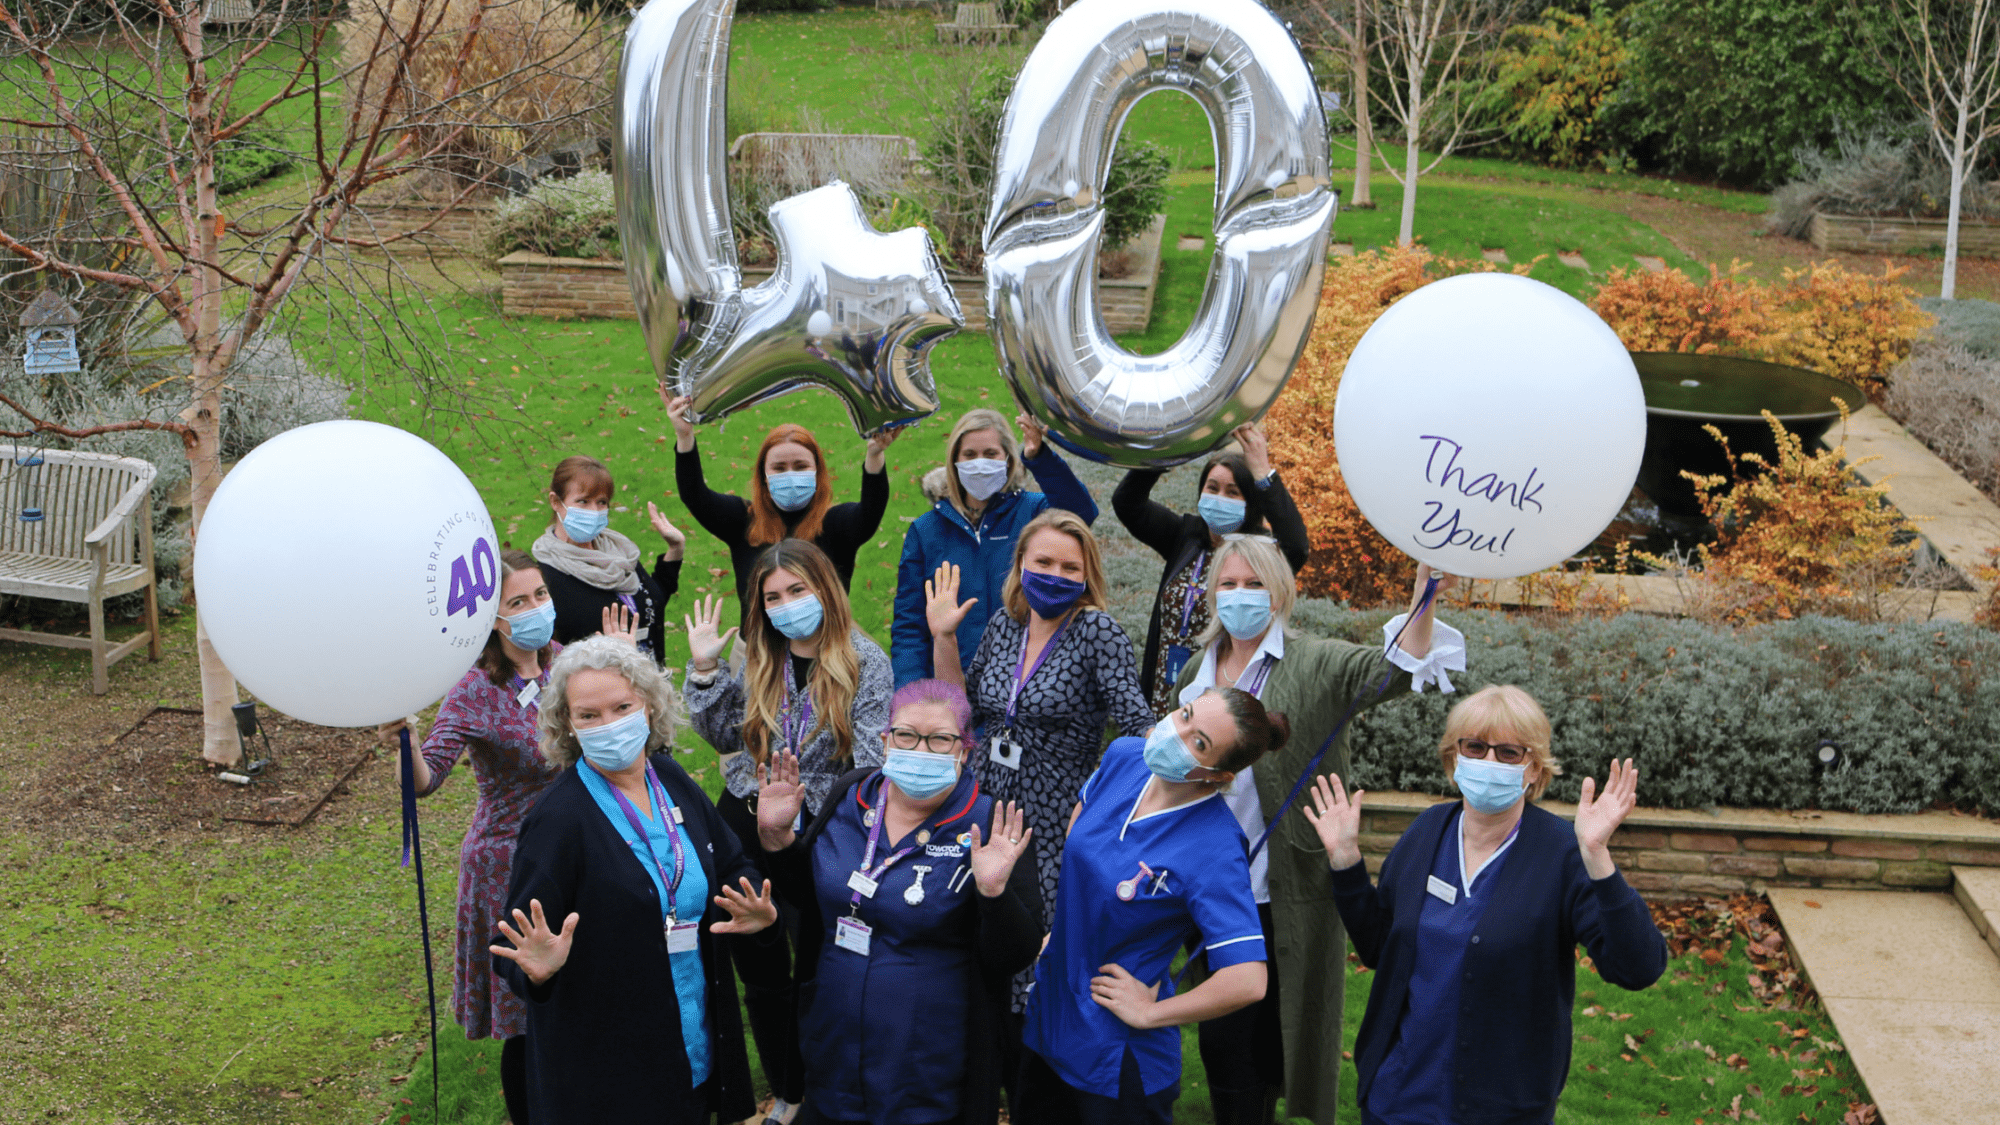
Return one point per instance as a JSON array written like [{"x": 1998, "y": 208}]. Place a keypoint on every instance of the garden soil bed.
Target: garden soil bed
[{"x": 152, "y": 780}]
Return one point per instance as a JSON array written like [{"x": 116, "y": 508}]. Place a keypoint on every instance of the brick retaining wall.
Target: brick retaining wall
[
  {"x": 1682, "y": 853},
  {"x": 462, "y": 230},
  {"x": 1897, "y": 234}
]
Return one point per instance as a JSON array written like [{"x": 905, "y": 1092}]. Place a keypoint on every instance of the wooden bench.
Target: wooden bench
[
  {"x": 975, "y": 23},
  {"x": 94, "y": 541}
]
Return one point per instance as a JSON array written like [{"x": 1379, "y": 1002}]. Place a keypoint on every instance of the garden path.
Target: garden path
[
  {"x": 1914, "y": 992},
  {"x": 1956, "y": 519}
]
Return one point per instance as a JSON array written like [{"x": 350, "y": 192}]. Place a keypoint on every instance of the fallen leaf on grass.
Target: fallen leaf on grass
[
  {"x": 1860, "y": 1113},
  {"x": 1735, "y": 1110},
  {"x": 1736, "y": 1062}
]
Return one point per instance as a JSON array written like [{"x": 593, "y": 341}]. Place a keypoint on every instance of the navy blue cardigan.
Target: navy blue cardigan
[
  {"x": 1520, "y": 970},
  {"x": 604, "y": 1033}
]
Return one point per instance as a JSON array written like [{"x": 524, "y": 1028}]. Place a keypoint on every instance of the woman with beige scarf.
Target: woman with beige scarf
[{"x": 593, "y": 573}]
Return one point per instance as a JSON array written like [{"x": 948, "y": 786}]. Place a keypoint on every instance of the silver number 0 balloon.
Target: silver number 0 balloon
[
  {"x": 1274, "y": 208},
  {"x": 848, "y": 308}
]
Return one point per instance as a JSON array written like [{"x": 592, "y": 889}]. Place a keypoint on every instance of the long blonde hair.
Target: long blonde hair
[{"x": 836, "y": 674}]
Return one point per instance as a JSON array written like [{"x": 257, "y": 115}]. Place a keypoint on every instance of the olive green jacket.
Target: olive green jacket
[{"x": 1312, "y": 685}]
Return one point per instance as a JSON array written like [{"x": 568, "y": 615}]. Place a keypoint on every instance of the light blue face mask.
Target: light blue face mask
[
  {"x": 792, "y": 491},
  {"x": 1166, "y": 754},
  {"x": 1244, "y": 613},
  {"x": 1220, "y": 513},
  {"x": 614, "y": 746},
  {"x": 1490, "y": 787},
  {"x": 920, "y": 774},
  {"x": 585, "y": 524},
  {"x": 799, "y": 619},
  {"x": 532, "y": 628}
]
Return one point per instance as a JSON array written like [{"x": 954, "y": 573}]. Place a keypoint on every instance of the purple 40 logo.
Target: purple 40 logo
[{"x": 471, "y": 581}]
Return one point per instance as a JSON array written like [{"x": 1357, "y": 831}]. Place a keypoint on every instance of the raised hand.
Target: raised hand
[
  {"x": 704, "y": 643},
  {"x": 1031, "y": 433},
  {"x": 1337, "y": 819},
  {"x": 675, "y": 537},
  {"x": 992, "y": 863},
  {"x": 677, "y": 413},
  {"x": 878, "y": 449},
  {"x": 749, "y": 911},
  {"x": 620, "y": 623},
  {"x": 942, "y": 609},
  {"x": 779, "y": 799},
  {"x": 1599, "y": 815},
  {"x": 1256, "y": 450},
  {"x": 1446, "y": 582},
  {"x": 540, "y": 951},
  {"x": 1121, "y": 992}
]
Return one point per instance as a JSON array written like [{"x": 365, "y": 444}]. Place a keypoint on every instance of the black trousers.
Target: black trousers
[
  {"x": 514, "y": 1078},
  {"x": 770, "y": 989},
  {"x": 808, "y": 1116},
  {"x": 1244, "y": 1052},
  {"x": 1048, "y": 1100}
]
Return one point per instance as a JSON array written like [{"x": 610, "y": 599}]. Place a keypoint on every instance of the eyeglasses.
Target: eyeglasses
[
  {"x": 903, "y": 738},
  {"x": 1506, "y": 753}
]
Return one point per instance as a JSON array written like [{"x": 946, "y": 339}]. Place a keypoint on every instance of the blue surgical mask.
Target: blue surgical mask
[
  {"x": 799, "y": 619},
  {"x": 533, "y": 628},
  {"x": 1166, "y": 754},
  {"x": 1220, "y": 513},
  {"x": 614, "y": 746},
  {"x": 792, "y": 491},
  {"x": 1050, "y": 595},
  {"x": 1244, "y": 613},
  {"x": 920, "y": 774},
  {"x": 1490, "y": 787},
  {"x": 982, "y": 477},
  {"x": 585, "y": 524}
]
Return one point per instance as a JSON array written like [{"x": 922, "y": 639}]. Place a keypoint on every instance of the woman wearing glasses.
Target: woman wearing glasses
[
  {"x": 1290, "y": 1040},
  {"x": 915, "y": 913},
  {"x": 1240, "y": 492},
  {"x": 1473, "y": 927}
]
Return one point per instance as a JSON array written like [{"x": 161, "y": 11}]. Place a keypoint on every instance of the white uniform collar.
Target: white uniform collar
[{"x": 1204, "y": 677}]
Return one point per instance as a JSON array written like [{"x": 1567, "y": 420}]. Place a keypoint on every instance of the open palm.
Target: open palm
[
  {"x": 705, "y": 644},
  {"x": 942, "y": 609},
  {"x": 1598, "y": 815},
  {"x": 540, "y": 951},
  {"x": 993, "y": 861}
]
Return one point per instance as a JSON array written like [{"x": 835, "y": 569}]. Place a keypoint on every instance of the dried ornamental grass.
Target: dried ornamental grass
[{"x": 1950, "y": 400}]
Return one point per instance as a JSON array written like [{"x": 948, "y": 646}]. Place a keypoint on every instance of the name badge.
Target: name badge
[
  {"x": 852, "y": 934},
  {"x": 859, "y": 881},
  {"x": 528, "y": 694},
  {"x": 1006, "y": 752},
  {"x": 677, "y": 815},
  {"x": 682, "y": 936},
  {"x": 1442, "y": 890}
]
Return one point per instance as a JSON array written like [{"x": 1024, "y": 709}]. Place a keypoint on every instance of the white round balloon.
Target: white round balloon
[
  {"x": 347, "y": 573},
  {"x": 1490, "y": 425}
]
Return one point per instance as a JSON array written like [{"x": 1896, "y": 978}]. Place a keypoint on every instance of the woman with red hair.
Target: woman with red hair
[{"x": 791, "y": 497}]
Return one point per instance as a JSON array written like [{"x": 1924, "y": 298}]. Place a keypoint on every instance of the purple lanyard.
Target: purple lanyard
[
  {"x": 1194, "y": 592},
  {"x": 874, "y": 873},
  {"x": 1257, "y": 676},
  {"x": 664, "y": 807},
  {"x": 1020, "y": 679},
  {"x": 787, "y": 730}
]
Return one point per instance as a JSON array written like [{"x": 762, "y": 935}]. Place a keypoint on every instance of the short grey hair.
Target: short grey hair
[{"x": 664, "y": 710}]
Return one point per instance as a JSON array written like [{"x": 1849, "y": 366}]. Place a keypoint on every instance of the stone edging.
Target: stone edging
[
  {"x": 1680, "y": 853},
  {"x": 1900, "y": 234}
]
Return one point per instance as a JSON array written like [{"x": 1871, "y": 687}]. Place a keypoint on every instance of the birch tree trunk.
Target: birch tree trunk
[
  {"x": 1364, "y": 127},
  {"x": 1949, "y": 288},
  {"x": 1407, "y": 232}
]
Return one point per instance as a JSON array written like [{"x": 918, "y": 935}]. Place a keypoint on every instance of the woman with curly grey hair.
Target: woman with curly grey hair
[{"x": 632, "y": 1012}]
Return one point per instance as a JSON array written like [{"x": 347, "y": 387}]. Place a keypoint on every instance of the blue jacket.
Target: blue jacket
[
  {"x": 984, "y": 556},
  {"x": 1520, "y": 966}
]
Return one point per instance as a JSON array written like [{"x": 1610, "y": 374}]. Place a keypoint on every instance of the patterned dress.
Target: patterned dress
[
  {"x": 1089, "y": 676},
  {"x": 1181, "y": 594},
  {"x": 491, "y": 724}
]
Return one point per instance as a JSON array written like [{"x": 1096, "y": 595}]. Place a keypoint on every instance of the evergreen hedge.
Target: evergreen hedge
[{"x": 1717, "y": 716}]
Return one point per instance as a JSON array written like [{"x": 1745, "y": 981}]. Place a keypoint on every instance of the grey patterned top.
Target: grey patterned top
[{"x": 716, "y": 708}]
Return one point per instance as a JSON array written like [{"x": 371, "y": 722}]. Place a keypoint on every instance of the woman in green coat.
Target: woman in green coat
[{"x": 1289, "y": 1042}]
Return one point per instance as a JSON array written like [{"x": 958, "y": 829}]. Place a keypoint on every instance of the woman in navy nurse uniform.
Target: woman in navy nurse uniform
[
  {"x": 1473, "y": 928},
  {"x": 1154, "y": 857},
  {"x": 910, "y": 889}
]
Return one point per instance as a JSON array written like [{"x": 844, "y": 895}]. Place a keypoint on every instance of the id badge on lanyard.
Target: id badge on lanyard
[
  {"x": 1004, "y": 749},
  {"x": 851, "y": 933},
  {"x": 682, "y": 937},
  {"x": 1177, "y": 655}
]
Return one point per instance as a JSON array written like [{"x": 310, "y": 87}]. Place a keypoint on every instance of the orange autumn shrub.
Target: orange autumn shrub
[
  {"x": 1669, "y": 312},
  {"x": 1989, "y": 614}
]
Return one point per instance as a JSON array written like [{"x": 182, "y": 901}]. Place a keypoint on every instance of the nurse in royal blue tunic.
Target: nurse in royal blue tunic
[{"x": 1154, "y": 859}]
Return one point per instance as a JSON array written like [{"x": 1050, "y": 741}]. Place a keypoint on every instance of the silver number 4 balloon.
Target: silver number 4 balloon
[
  {"x": 848, "y": 308},
  {"x": 1274, "y": 208}
]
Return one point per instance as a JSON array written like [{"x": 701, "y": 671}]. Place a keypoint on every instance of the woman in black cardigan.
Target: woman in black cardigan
[
  {"x": 596, "y": 576},
  {"x": 1239, "y": 493},
  {"x": 632, "y": 1013},
  {"x": 1473, "y": 927}
]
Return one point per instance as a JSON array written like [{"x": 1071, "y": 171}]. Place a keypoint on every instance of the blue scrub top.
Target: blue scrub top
[
  {"x": 1415, "y": 1084},
  {"x": 690, "y": 903},
  {"x": 1199, "y": 888},
  {"x": 884, "y": 1036}
]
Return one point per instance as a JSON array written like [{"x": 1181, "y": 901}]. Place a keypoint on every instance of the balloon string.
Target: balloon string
[{"x": 414, "y": 847}]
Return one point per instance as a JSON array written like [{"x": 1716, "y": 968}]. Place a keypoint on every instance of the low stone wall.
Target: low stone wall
[
  {"x": 460, "y": 230},
  {"x": 1888, "y": 234},
  {"x": 534, "y": 285},
  {"x": 1684, "y": 853}
]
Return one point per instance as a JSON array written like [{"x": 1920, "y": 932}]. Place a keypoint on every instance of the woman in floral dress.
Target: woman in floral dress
[{"x": 491, "y": 715}]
